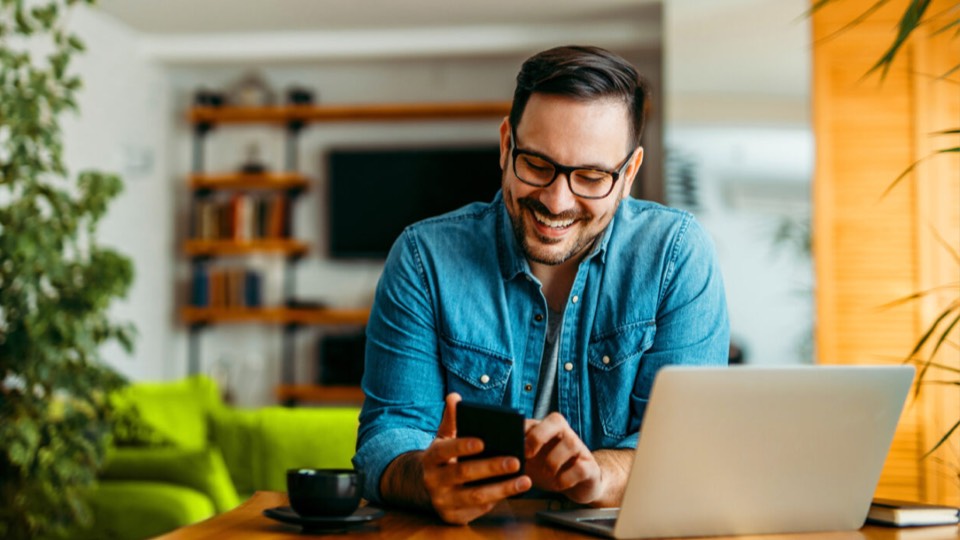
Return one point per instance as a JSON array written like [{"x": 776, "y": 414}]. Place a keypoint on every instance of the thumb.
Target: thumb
[{"x": 448, "y": 424}]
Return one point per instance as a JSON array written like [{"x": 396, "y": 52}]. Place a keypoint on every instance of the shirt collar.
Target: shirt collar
[{"x": 512, "y": 260}]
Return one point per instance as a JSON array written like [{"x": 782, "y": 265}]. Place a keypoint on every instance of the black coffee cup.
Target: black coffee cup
[{"x": 324, "y": 492}]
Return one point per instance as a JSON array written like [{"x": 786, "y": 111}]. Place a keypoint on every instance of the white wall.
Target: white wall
[
  {"x": 737, "y": 77},
  {"x": 751, "y": 179},
  {"x": 122, "y": 129}
]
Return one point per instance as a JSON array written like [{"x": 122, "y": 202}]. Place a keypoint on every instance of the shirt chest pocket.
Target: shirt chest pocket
[
  {"x": 614, "y": 362},
  {"x": 476, "y": 374}
]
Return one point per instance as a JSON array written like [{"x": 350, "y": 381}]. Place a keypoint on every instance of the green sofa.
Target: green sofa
[{"x": 200, "y": 457}]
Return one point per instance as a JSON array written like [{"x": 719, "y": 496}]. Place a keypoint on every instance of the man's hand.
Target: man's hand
[
  {"x": 557, "y": 460},
  {"x": 444, "y": 475}
]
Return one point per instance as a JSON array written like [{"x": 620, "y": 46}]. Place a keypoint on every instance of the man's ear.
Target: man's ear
[
  {"x": 630, "y": 173},
  {"x": 504, "y": 143}
]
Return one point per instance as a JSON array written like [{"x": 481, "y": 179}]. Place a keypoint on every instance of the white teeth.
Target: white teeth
[{"x": 552, "y": 223}]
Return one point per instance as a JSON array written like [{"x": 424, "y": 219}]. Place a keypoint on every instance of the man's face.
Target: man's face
[{"x": 551, "y": 223}]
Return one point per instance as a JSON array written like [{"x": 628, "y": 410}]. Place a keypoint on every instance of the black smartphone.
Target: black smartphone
[{"x": 500, "y": 429}]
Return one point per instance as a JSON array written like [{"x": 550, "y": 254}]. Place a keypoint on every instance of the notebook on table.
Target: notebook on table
[{"x": 755, "y": 450}]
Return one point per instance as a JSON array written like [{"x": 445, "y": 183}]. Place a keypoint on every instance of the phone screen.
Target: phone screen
[{"x": 500, "y": 428}]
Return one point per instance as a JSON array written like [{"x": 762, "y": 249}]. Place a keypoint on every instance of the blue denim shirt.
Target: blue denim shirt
[{"x": 457, "y": 309}]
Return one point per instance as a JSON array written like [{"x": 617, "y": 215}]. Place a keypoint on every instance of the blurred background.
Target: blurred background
[{"x": 730, "y": 141}]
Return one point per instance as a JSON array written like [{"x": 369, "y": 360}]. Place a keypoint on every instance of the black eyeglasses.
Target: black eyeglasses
[{"x": 537, "y": 170}]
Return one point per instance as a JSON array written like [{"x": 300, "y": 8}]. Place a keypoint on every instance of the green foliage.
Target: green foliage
[{"x": 56, "y": 284}]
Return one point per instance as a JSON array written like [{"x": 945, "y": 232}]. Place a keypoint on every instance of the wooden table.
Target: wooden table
[{"x": 512, "y": 519}]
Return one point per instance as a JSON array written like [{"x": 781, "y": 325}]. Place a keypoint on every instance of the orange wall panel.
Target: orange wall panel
[{"x": 869, "y": 249}]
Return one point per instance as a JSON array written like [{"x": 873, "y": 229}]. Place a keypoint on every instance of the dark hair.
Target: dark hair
[{"x": 584, "y": 73}]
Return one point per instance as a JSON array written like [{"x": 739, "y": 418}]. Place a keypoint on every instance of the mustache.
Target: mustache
[{"x": 540, "y": 208}]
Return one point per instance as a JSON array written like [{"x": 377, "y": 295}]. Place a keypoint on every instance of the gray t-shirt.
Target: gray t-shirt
[{"x": 547, "y": 385}]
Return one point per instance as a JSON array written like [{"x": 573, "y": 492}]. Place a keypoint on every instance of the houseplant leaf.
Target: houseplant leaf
[{"x": 56, "y": 285}]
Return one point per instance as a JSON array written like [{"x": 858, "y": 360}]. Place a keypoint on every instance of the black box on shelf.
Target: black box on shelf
[
  {"x": 208, "y": 98},
  {"x": 300, "y": 95},
  {"x": 341, "y": 359}
]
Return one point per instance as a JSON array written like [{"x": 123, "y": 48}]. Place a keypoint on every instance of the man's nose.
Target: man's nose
[{"x": 557, "y": 197}]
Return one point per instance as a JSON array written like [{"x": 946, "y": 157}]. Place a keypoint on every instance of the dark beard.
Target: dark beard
[{"x": 528, "y": 250}]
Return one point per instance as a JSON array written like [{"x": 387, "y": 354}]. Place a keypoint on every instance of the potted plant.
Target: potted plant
[{"x": 56, "y": 283}]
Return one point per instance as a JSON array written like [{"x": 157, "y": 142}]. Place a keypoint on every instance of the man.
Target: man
[{"x": 561, "y": 298}]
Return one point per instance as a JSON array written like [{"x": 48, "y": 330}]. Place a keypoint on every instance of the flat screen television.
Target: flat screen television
[{"x": 375, "y": 193}]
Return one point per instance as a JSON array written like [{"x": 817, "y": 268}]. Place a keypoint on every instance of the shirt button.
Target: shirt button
[
  {"x": 538, "y": 317},
  {"x": 606, "y": 359},
  {"x": 484, "y": 379},
  {"x": 575, "y": 299},
  {"x": 568, "y": 366},
  {"x": 528, "y": 387}
]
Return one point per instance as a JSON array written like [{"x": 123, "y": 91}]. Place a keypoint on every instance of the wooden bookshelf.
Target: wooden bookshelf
[
  {"x": 291, "y": 118},
  {"x": 214, "y": 248},
  {"x": 240, "y": 181},
  {"x": 315, "y": 316},
  {"x": 312, "y": 393},
  {"x": 281, "y": 114}
]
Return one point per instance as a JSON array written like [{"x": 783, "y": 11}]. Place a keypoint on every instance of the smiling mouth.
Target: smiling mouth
[{"x": 556, "y": 224}]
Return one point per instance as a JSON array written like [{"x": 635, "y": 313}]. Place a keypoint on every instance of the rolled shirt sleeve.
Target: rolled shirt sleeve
[{"x": 402, "y": 381}]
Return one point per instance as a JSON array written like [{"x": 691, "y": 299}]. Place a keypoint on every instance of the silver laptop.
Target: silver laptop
[{"x": 755, "y": 450}]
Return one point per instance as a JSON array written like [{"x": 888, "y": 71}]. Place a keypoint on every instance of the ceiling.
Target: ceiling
[
  {"x": 718, "y": 47},
  {"x": 241, "y": 16}
]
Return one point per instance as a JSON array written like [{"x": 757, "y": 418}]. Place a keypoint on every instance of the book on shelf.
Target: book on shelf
[
  {"x": 226, "y": 288},
  {"x": 277, "y": 217},
  {"x": 200, "y": 292},
  {"x": 253, "y": 295},
  {"x": 911, "y": 514},
  {"x": 242, "y": 217}
]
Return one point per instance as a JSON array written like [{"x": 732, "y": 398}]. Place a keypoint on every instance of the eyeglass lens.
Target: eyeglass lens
[{"x": 584, "y": 182}]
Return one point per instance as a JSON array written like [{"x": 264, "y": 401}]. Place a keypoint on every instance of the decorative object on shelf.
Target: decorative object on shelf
[
  {"x": 208, "y": 98},
  {"x": 221, "y": 372},
  {"x": 299, "y": 95},
  {"x": 251, "y": 91},
  {"x": 253, "y": 165}
]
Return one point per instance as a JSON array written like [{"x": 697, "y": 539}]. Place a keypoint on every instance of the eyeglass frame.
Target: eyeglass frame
[{"x": 566, "y": 170}]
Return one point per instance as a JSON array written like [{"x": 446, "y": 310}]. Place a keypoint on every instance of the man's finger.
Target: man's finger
[
  {"x": 576, "y": 472},
  {"x": 554, "y": 426},
  {"x": 481, "y": 469},
  {"x": 441, "y": 451},
  {"x": 448, "y": 424},
  {"x": 569, "y": 448},
  {"x": 491, "y": 493}
]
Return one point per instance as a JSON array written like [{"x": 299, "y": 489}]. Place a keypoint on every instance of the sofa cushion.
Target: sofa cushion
[
  {"x": 202, "y": 470},
  {"x": 296, "y": 438},
  {"x": 130, "y": 429},
  {"x": 176, "y": 410},
  {"x": 133, "y": 510},
  {"x": 236, "y": 433}
]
